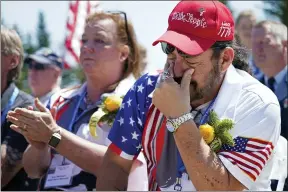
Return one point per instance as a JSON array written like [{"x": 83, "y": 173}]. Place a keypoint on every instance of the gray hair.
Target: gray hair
[
  {"x": 277, "y": 29},
  {"x": 11, "y": 44}
]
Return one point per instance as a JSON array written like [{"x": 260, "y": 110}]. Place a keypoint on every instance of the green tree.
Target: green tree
[
  {"x": 16, "y": 28},
  {"x": 278, "y": 9},
  {"x": 42, "y": 34},
  {"x": 29, "y": 48}
]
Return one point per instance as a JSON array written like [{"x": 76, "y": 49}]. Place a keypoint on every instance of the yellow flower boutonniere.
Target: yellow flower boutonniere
[
  {"x": 106, "y": 112},
  {"x": 216, "y": 132}
]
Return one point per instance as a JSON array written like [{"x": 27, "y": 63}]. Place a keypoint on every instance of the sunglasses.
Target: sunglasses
[
  {"x": 37, "y": 66},
  {"x": 168, "y": 49},
  {"x": 123, "y": 14}
]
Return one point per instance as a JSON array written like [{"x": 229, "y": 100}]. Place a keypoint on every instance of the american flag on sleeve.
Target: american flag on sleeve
[
  {"x": 125, "y": 137},
  {"x": 249, "y": 154}
]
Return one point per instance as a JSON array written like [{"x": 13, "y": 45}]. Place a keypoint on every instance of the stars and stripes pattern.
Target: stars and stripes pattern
[
  {"x": 137, "y": 124},
  {"x": 125, "y": 137},
  {"x": 78, "y": 11},
  {"x": 249, "y": 154}
]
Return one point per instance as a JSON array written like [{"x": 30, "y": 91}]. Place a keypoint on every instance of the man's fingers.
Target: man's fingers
[
  {"x": 40, "y": 106},
  {"x": 185, "y": 83}
]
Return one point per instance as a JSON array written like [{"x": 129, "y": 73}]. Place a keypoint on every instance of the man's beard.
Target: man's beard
[{"x": 197, "y": 93}]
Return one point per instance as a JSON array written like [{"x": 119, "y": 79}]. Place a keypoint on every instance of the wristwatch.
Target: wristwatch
[
  {"x": 173, "y": 124},
  {"x": 55, "y": 139}
]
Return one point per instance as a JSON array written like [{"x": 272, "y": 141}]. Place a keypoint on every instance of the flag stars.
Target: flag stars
[
  {"x": 139, "y": 147},
  {"x": 131, "y": 121},
  {"x": 150, "y": 82},
  {"x": 123, "y": 139},
  {"x": 135, "y": 135},
  {"x": 129, "y": 102},
  {"x": 122, "y": 106},
  {"x": 121, "y": 121},
  {"x": 140, "y": 88},
  {"x": 133, "y": 88},
  {"x": 140, "y": 122}
]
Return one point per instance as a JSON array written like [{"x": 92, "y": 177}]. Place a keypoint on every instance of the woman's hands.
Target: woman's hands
[{"x": 36, "y": 126}]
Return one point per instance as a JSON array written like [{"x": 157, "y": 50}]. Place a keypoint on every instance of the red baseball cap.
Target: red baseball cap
[{"x": 194, "y": 26}]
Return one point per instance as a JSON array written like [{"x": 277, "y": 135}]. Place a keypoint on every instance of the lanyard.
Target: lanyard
[
  {"x": 180, "y": 165},
  {"x": 9, "y": 105},
  {"x": 73, "y": 119}
]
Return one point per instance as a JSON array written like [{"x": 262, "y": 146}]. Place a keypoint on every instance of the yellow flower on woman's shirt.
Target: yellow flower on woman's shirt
[
  {"x": 112, "y": 103},
  {"x": 106, "y": 113}
]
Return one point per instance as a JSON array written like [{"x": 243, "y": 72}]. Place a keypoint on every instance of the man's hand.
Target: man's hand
[
  {"x": 172, "y": 99},
  {"x": 34, "y": 125}
]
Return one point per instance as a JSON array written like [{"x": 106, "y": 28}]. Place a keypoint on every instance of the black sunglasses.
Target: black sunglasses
[
  {"x": 168, "y": 49},
  {"x": 37, "y": 66},
  {"x": 122, "y": 13}
]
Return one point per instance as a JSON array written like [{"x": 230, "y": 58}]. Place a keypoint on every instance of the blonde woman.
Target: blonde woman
[{"x": 108, "y": 55}]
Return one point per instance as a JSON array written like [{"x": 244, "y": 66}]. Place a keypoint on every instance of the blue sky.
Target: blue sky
[{"x": 149, "y": 19}]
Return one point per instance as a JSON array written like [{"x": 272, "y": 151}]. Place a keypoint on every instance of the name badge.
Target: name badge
[{"x": 59, "y": 176}]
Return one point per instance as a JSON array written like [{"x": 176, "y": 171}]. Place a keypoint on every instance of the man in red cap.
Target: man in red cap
[{"x": 204, "y": 123}]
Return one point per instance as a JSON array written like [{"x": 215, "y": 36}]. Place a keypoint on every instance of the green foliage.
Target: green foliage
[
  {"x": 22, "y": 82},
  {"x": 71, "y": 77},
  {"x": 42, "y": 34},
  {"x": 213, "y": 119},
  {"x": 216, "y": 144},
  {"x": 221, "y": 130},
  {"x": 224, "y": 125},
  {"x": 16, "y": 28},
  {"x": 278, "y": 9},
  {"x": 226, "y": 138},
  {"x": 28, "y": 46}
]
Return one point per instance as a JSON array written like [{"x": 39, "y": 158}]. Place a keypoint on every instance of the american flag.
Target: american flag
[
  {"x": 137, "y": 124},
  {"x": 125, "y": 137},
  {"x": 249, "y": 154},
  {"x": 78, "y": 11}
]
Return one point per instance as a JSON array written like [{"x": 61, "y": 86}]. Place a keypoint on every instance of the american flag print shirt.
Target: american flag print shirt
[
  {"x": 256, "y": 130},
  {"x": 125, "y": 137}
]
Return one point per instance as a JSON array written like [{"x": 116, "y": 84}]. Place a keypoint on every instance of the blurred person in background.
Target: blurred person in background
[
  {"x": 109, "y": 54},
  {"x": 269, "y": 41},
  {"x": 13, "y": 144},
  {"x": 44, "y": 73},
  {"x": 243, "y": 25},
  {"x": 270, "y": 55}
]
